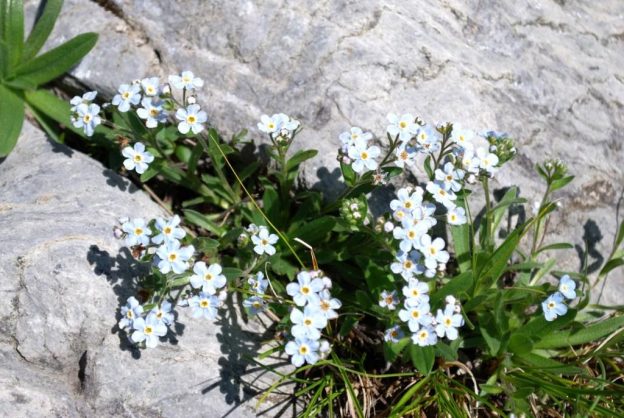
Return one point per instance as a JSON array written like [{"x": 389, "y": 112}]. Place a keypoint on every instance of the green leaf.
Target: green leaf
[
  {"x": 456, "y": 286},
  {"x": 151, "y": 172},
  {"x": 393, "y": 350},
  {"x": 520, "y": 343},
  {"x": 204, "y": 244},
  {"x": 202, "y": 221},
  {"x": 446, "y": 351},
  {"x": 560, "y": 183},
  {"x": 348, "y": 174},
  {"x": 42, "y": 29},
  {"x": 4, "y": 58},
  {"x": 11, "y": 119},
  {"x": 232, "y": 273},
  {"x": 591, "y": 333},
  {"x": 428, "y": 168},
  {"x": 556, "y": 246},
  {"x": 462, "y": 241},
  {"x": 299, "y": 157},
  {"x": 57, "y": 61},
  {"x": 550, "y": 365},
  {"x": 13, "y": 30},
  {"x": 271, "y": 203},
  {"x": 496, "y": 264},
  {"x": 620, "y": 236},
  {"x": 611, "y": 265},
  {"x": 183, "y": 153},
  {"x": 315, "y": 231},
  {"x": 510, "y": 198},
  {"x": 423, "y": 358}
]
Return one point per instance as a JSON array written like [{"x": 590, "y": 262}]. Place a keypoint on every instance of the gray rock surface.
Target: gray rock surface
[
  {"x": 550, "y": 72},
  {"x": 63, "y": 276}
]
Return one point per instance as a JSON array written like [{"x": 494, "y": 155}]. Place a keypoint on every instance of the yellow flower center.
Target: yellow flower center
[
  {"x": 150, "y": 90},
  {"x": 404, "y": 155},
  {"x": 403, "y": 124},
  {"x": 148, "y": 330},
  {"x": 364, "y": 155},
  {"x": 208, "y": 277},
  {"x": 324, "y": 305},
  {"x": 303, "y": 349},
  {"x": 130, "y": 314},
  {"x": 305, "y": 290},
  {"x": 415, "y": 314},
  {"x": 415, "y": 292},
  {"x": 551, "y": 305},
  {"x": 264, "y": 242},
  {"x": 307, "y": 322},
  {"x": 204, "y": 303},
  {"x": 389, "y": 300},
  {"x": 394, "y": 333},
  {"x": 138, "y": 231},
  {"x": 423, "y": 335},
  {"x": 447, "y": 321},
  {"x": 86, "y": 118},
  {"x": 271, "y": 125},
  {"x": 411, "y": 234},
  {"x": 191, "y": 119},
  {"x": 153, "y": 111},
  {"x": 138, "y": 158},
  {"x": 173, "y": 256},
  {"x": 432, "y": 250},
  {"x": 256, "y": 304},
  {"x": 167, "y": 230},
  {"x": 408, "y": 264},
  {"x": 453, "y": 217},
  {"x": 125, "y": 95},
  {"x": 408, "y": 204}
]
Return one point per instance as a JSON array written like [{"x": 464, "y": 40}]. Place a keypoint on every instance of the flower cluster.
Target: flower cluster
[
  {"x": 554, "y": 306},
  {"x": 280, "y": 127},
  {"x": 258, "y": 285},
  {"x": 146, "y": 326},
  {"x": 311, "y": 293},
  {"x": 262, "y": 240}
]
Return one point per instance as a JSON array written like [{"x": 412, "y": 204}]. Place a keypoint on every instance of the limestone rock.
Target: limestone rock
[{"x": 63, "y": 277}]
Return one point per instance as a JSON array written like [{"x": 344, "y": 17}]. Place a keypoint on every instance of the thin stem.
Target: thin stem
[{"x": 538, "y": 224}]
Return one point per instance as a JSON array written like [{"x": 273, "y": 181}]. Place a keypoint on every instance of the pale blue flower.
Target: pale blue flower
[
  {"x": 276, "y": 123},
  {"x": 425, "y": 336},
  {"x": 208, "y": 278},
  {"x": 191, "y": 119},
  {"x": 163, "y": 313},
  {"x": 404, "y": 126},
  {"x": 567, "y": 287},
  {"x": 407, "y": 199},
  {"x": 137, "y": 158},
  {"x": 554, "y": 306},
  {"x": 254, "y": 305},
  {"x": 416, "y": 315},
  {"x": 263, "y": 242},
  {"x": 130, "y": 312},
  {"x": 307, "y": 324},
  {"x": 303, "y": 350},
  {"x": 137, "y": 231},
  {"x": 394, "y": 334},
  {"x": 462, "y": 137},
  {"x": 445, "y": 197},
  {"x": 148, "y": 330},
  {"x": 416, "y": 292},
  {"x": 169, "y": 230},
  {"x": 87, "y": 117},
  {"x": 152, "y": 111},
  {"x": 407, "y": 264},
  {"x": 129, "y": 94},
  {"x": 456, "y": 216},
  {"x": 327, "y": 304},
  {"x": 353, "y": 136},
  {"x": 86, "y": 98},
  {"x": 388, "y": 299},
  {"x": 449, "y": 177},
  {"x": 405, "y": 155},
  {"x": 427, "y": 136},
  {"x": 258, "y": 284},
  {"x": 151, "y": 86},
  {"x": 487, "y": 160},
  {"x": 173, "y": 257},
  {"x": 448, "y": 322},
  {"x": 186, "y": 80},
  {"x": 433, "y": 251},
  {"x": 305, "y": 290},
  {"x": 205, "y": 305}
]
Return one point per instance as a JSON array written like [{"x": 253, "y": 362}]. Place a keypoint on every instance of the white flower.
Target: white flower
[
  {"x": 470, "y": 162},
  {"x": 172, "y": 257},
  {"x": 448, "y": 322},
  {"x": 191, "y": 119},
  {"x": 277, "y": 123},
  {"x": 388, "y": 227},
  {"x": 186, "y": 80},
  {"x": 363, "y": 157},
  {"x": 208, "y": 278},
  {"x": 169, "y": 230},
  {"x": 303, "y": 350},
  {"x": 416, "y": 315},
  {"x": 425, "y": 336},
  {"x": 205, "y": 305},
  {"x": 449, "y": 178},
  {"x": 440, "y": 195},
  {"x": 130, "y": 312},
  {"x": 305, "y": 290},
  {"x": 137, "y": 158},
  {"x": 355, "y": 136},
  {"x": 87, "y": 117},
  {"x": 163, "y": 313},
  {"x": 553, "y": 306},
  {"x": 394, "y": 334},
  {"x": 456, "y": 216},
  {"x": 416, "y": 292},
  {"x": 152, "y": 111},
  {"x": 151, "y": 86},
  {"x": 388, "y": 299},
  {"x": 148, "y": 330},
  {"x": 86, "y": 98},
  {"x": 433, "y": 251},
  {"x": 307, "y": 324},
  {"x": 129, "y": 94},
  {"x": 407, "y": 264},
  {"x": 405, "y": 126},
  {"x": 487, "y": 160},
  {"x": 428, "y": 137},
  {"x": 327, "y": 304},
  {"x": 405, "y": 156},
  {"x": 263, "y": 242},
  {"x": 462, "y": 137},
  {"x": 138, "y": 232},
  {"x": 410, "y": 232},
  {"x": 567, "y": 287}
]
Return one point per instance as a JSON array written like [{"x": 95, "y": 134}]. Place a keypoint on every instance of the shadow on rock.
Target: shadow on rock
[
  {"x": 240, "y": 376},
  {"x": 591, "y": 237},
  {"x": 122, "y": 272}
]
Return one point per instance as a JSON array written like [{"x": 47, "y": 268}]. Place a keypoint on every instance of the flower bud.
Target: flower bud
[
  {"x": 166, "y": 89},
  {"x": 191, "y": 100},
  {"x": 388, "y": 227}
]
